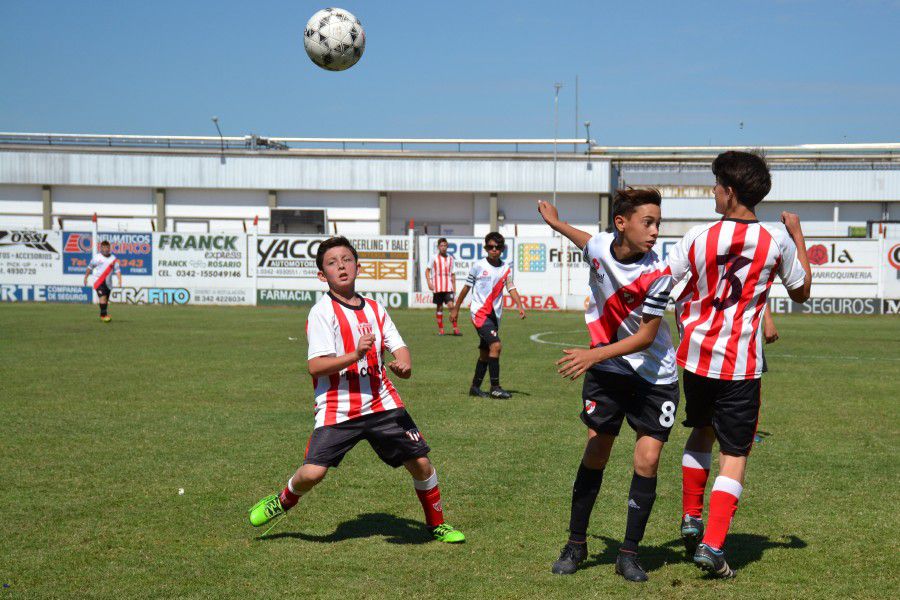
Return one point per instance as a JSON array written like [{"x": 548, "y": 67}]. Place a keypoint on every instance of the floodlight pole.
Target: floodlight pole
[
  {"x": 556, "y": 85},
  {"x": 215, "y": 121}
]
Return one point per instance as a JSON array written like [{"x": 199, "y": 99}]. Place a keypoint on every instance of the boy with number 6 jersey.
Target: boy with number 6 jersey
[
  {"x": 355, "y": 399},
  {"x": 629, "y": 370}
]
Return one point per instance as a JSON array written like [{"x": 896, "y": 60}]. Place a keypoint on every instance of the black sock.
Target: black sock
[
  {"x": 480, "y": 370},
  {"x": 584, "y": 494},
  {"x": 103, "y": 308},
  {"x": 640, "y": 503},
  {"x": 494, "y": 367}
]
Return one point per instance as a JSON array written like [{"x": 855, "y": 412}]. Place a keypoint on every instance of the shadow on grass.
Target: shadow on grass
[
  {"x": 741, "y": 549},
  {"x": 396, "y": 530}
]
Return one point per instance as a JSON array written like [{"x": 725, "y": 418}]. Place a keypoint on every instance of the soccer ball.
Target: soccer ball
[{"x": 334, "y": 39}]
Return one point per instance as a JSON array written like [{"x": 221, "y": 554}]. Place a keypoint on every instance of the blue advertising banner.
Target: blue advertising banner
[
  {"x": 70, "y": 294},
  {"x": 134, "y": 251}
]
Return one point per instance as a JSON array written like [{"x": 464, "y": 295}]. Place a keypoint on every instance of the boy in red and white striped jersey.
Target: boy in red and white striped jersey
[
  {"x": 442, "y": 282},
  {"x": 103, "y": 265},
  {"x": 355, "y": 399},
  {"x": 730, "y": 265}
]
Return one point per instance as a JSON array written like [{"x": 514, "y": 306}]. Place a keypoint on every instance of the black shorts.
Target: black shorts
[
  {"x": 489, "y": 332},
  {"x": 730, "y": 407},
  {"x": 392, "y": 434},
  {"x": 441, "y": 298},
  {"x": 611, "y": 397},
  {"x": 103, "y": 290}
]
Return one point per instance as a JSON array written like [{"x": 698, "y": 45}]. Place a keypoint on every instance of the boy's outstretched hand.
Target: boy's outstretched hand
[
  {"x": 401, "y": 369},
  {"x": 548, "y": 212},
  {"x": 791, "y": 222},
  {"x": 575, "y": 362}
]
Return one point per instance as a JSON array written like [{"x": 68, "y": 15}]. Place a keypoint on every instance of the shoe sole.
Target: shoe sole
[
  {"x": 705, "y": 564},
  {"x": 556, "y": 571}
]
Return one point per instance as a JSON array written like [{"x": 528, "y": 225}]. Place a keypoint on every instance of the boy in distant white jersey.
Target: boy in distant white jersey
[
  {"x": 487, "y": 278},
  {"x": 630, "y": 370},
  {"x": 355, "y": 399},
  {"x": 104, "y": 265}
]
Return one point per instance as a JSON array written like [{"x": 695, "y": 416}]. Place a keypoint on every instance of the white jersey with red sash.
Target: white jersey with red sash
[
  {"x": 363, "y": 388},
  {"x": 441, "y": 268},
  {"x": 487, "y": 283},
  {"x": 621, "y": 294},
  {"x": 102, "y": 267},
  {"x": 731, "y": 265}
]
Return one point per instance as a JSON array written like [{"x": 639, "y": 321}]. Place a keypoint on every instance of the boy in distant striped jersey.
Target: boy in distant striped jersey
[
  {"x": 729, "y": 266},
  {"x": 355, "y": 399},
  {"x": 103, "y": 265},
  {"x": 442, "y": 282}
]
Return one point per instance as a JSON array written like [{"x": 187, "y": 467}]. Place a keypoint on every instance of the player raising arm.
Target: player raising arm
[
  {"x": 629, "y": 370},
  {"x": 729, "y": 266},
  {"x": 487, "y": 279}
]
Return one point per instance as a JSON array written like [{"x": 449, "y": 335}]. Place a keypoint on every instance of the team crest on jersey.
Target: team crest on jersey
[
  {"x": 414, "y": 435},
  {"x": 589, "y": 406},
  {"x": 364, "y": 328}
]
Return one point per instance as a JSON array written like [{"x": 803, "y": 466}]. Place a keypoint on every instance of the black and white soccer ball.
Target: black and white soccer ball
[{"x": 334, "y": 39}]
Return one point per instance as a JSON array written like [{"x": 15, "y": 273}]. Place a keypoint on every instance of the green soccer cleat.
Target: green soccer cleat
[
  {"x": 265, "y": 510},
  {"x": 448, "y": 534}
]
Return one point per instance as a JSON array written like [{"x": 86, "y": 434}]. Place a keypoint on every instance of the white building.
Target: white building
[{"x": 461, "y": 187}]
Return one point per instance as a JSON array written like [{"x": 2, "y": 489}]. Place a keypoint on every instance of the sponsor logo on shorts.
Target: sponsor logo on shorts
[
  {"x": 414, "y": 435},
  {"x": 589, "y": 406}
]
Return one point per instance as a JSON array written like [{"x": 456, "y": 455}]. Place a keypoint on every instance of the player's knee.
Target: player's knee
[
  {"x": 312, "y": 474},
  {"x": 495, "y": 349},
  {"x": 420, "y": 468},
  {"x": 646, "y": 463}
]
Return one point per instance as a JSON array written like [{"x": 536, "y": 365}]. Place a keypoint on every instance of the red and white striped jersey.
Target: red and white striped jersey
[
  {"x": 621, "y": 293},
  {"x": 487, "y": 283},
  {"x": 333, "y": 329},
  {"x": 441, "y": 268},
  {"x": 102, "y": 267},
  {"x": 731, "y": 264}
]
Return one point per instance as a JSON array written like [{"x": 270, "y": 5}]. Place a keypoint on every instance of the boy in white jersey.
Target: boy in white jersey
[
  {"x": 487, "y": 278},
  {"x": 730, "y": 266},
  {"x": 104, "y": 265},
  {"x": 629, "y": 370},
  {"x": 355, "y": 399},
  {"x": 441, "y": 281}
]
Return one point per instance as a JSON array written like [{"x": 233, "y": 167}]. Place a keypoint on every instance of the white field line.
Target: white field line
[{"x": 537, "y": 338}]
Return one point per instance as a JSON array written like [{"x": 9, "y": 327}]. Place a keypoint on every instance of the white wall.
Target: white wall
[{"x": 434, "y": 210}]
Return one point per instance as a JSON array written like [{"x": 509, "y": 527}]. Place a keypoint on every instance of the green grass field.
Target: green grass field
[{"x": 102, "y": 424}]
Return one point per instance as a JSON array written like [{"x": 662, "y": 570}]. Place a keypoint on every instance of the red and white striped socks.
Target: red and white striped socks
[
  {"x": 430, "y": 496},
  {"x": 694, "y": 474},
  {"x": 723, "y": 503}
]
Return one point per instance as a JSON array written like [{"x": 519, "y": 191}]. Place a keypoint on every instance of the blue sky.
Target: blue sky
[{"x": 650, "y": 72}]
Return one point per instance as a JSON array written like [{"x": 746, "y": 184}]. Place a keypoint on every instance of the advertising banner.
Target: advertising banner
[
  {"x": 30, "y": 256},
  {"x": 827, "y": 306},
  {"x": 383, "y": 261},
  {"x": 201, "y": 260},
  {"x": 134, "y": 251},
  {"x": 69, "y": 294},
  {"x": 890, "y": 268},
  {"x": 282, "y": 297}
]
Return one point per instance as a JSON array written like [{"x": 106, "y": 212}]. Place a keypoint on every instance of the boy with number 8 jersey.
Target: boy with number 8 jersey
[
  {"x": 629, "y": 370},
  {"x": 355, "y": 399}
]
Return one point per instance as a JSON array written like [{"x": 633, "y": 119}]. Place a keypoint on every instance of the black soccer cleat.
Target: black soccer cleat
[
  {"x": 499, "y": 393},
  {"x": 627, "y": 566},
  {"x": 691, "y": 534},
  {"x": 713, "y": 562},
  {"x": 571, "y": 556},
  {"x": 477, "y": 393}
]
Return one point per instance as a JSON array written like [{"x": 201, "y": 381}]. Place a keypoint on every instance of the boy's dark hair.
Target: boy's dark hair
[
  {"x": 495, "y": 237},
  {"x": 626, "y": 201},
  {"x": 104, "y": 243},
  {"x": 333, "y": 242},
  {"x": 747, "y": 174},
  {"x": 442, "y": 241}
]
